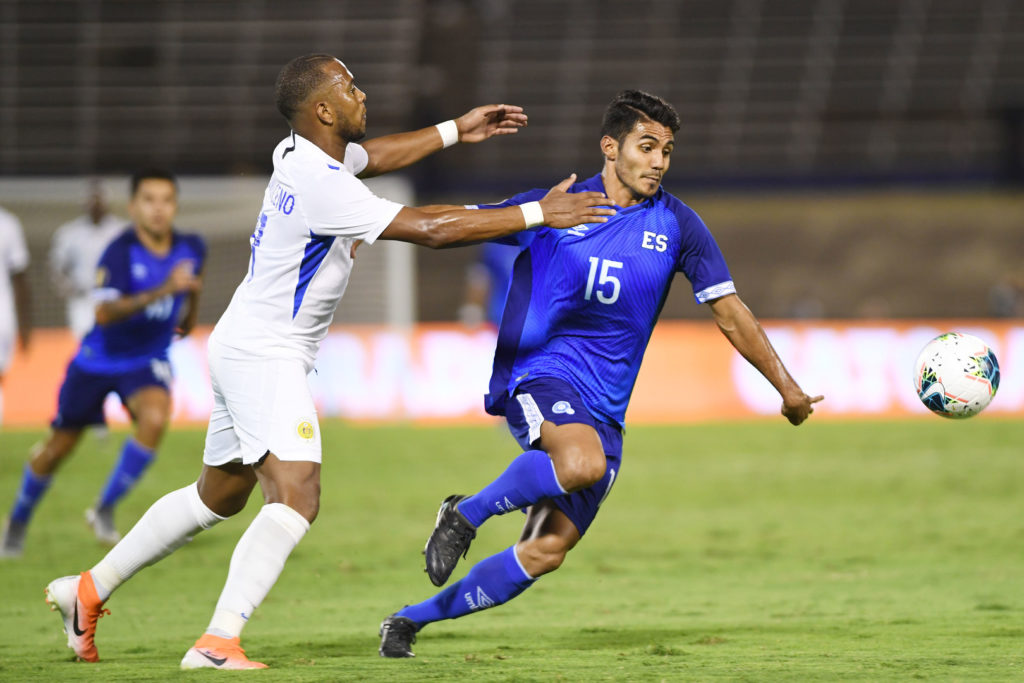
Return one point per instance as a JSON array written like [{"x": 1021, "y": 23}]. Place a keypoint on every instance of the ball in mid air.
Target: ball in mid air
[{"x": 956, "y": 375}]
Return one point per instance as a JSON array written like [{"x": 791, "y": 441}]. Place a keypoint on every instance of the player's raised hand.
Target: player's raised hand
[
  {"x": 566, "y": 210},
  {"x": 796, "y": 409},
  {"x": 182, "y": 279},
  {"x": 480, "y": 123}
]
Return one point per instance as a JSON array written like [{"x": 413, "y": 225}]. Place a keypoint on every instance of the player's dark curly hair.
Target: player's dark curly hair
[
  {"x": 297, "y": 79},
  {"x": 629, "y": 106},
  {"x": 149, "y": 172}
]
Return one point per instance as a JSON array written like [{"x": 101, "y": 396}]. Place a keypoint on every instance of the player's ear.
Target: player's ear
[
  {"x": 324, "y": 113},
  {"x": 609, "y": 147}
]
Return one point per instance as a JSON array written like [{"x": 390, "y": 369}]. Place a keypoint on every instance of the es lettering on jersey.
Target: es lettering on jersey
[
  {"x": 583, "y": 302},
  {"x": 127, "y": 267}
]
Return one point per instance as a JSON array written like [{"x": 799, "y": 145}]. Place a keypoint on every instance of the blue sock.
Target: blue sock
[
  {"x": 135, "y": 458},
  {"x": 530, "y": 477},
  {"x": 491, "y": 582},
  {"x": 33, "y": 486}
]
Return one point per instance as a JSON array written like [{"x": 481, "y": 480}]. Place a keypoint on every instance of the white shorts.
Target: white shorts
[
  {"x": 6, "y": 351},
  {"x": 260, "y": 405}
]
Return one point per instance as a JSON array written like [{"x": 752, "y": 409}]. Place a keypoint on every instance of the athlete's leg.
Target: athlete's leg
[
  {"x": 566, "y": 455},
  {"x": 168, "y": 524},
  {"x": 173, "y": 520},
  {"x": 150, "y": 407},
  {"x": 291, "y": 491},
  {"x": 46, "y": 457},
  {"x": 570, "y": 458}
]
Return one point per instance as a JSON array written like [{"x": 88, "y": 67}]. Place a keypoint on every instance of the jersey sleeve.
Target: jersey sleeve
[
  {"x": 342, "y": 206},
  {"x": 113, "y": 273},
  {"x": 356, "y": 158},
  {"x": 524, "y": 237},
  {"x": 700, "y": 259}
]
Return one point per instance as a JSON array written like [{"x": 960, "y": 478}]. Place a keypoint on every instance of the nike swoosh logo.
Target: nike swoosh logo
[
  {"x": 218, "y": 661},
  {"x": 74, "y": 624}
]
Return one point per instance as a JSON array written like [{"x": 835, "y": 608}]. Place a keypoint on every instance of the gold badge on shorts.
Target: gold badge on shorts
[{"x": 305, "y": 430}]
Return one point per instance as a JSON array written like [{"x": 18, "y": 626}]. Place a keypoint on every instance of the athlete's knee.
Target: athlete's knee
[
  {"x": 150, "y": 423},
  {"x": 303, "y": 497},
  {"x": 578, "y": 466},
  {"x": 542, "y": 555},
  {"x": 48, "y": 455}
]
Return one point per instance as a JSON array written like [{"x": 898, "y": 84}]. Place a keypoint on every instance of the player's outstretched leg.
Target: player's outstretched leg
[
  {"x": 167, "y": 525},
  {"x": 529, "y": 478},
  {"x": 491, "y": 582}
]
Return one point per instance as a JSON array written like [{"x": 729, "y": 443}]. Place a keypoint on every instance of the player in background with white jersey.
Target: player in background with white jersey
[
  {"x": 579, "y": 313},
  {"x": 264, "y": 428},
  {"x": 146, "y": 290},
  {"x": 15, "y": 297},
  {"x": 74, "y": 252}
]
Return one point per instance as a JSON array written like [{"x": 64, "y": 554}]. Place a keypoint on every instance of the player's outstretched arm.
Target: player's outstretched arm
[
  {"x": 392, "y": 152},
  {"x": 745, "y": 333},
  {"x": 456, "y": 226},
  {"x": 181, "y": 279}
]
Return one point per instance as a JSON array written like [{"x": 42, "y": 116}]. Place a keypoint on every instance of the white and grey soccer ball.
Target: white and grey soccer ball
[{"x": 956, "y": 375}]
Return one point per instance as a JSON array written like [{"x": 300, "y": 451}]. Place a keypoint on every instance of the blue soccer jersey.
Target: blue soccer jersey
[
  {"x": 583, "y": 302},
  {"x": 128, "y": 267}
]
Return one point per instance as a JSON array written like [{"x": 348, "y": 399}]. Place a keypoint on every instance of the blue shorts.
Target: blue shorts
[
  {"x": 81, "y": 398},
  {"x": 556, "y": 401}
]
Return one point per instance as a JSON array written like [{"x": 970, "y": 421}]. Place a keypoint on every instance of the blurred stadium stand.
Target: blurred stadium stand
[{"x": 822, "y": 94}]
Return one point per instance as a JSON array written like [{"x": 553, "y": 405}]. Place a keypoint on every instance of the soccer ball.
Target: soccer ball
[{"x": 956, "y": 375}]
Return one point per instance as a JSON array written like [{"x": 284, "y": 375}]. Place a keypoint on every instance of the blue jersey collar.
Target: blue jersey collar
[{"x": 596, "y": 184}]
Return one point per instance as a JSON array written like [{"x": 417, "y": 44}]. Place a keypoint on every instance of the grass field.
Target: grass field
[{"x": 751, "y": 552}]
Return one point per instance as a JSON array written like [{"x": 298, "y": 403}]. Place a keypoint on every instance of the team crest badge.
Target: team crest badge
[
  {"x": 305, "y": 430},
  {"x": 563, "y": 407}
]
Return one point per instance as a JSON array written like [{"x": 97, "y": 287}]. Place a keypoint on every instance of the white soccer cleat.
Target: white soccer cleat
[
  {"x": 80, "y": 607},
  {"x": 102, "y": 523},
  {"x": 214, "y": 652}
]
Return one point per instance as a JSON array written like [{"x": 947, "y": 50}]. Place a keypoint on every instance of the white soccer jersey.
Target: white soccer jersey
[
  {"x": 314, "y": 210},
  {"x": 76, "y": 249},
  {"x": 13, "y": 260}
]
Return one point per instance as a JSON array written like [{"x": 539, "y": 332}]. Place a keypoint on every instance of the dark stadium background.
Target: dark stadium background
[{"x": 854, "y": 159}]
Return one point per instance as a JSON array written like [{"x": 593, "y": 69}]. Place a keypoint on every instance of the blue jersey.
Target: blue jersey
[
  {"x": 127, "y": 267},
  {"x": 498, "y": 260},
  {"x": 583, "y": 302}
]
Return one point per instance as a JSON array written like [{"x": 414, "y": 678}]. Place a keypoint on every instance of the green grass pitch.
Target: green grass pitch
[{"x": 869, "y": 551}]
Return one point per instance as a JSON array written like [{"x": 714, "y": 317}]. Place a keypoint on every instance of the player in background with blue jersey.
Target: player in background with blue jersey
[
  {"x": 147, "y": 288},
  {"x": 579, "y": 313}
]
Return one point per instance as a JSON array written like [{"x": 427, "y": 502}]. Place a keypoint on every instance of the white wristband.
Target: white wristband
[
  {"x": 532, "y": 214},
  {"x": 449, "y": 133}
]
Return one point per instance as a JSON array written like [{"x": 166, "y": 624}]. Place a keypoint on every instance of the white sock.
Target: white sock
[
  {"x": 168, "y": 524},
  {"x": 256, "y": 563}
]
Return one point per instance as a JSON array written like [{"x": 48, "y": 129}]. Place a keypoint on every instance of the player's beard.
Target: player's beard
[
  {"x": 356, "y": 132},
  {"x": 634, "y": 187}
]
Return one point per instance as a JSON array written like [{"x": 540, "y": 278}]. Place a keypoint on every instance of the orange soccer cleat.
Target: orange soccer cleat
[
  {"x": 76, "y": 599},
  {"x": 214, "y": 652}
]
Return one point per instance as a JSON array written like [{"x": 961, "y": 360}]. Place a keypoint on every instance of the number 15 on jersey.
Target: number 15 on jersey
[{"x": 603, "y": 280}]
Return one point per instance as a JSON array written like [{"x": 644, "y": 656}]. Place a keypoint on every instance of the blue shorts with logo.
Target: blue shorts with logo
[
  {"x": 556, "y": 401},
  {"x": 81, "y": 398}
]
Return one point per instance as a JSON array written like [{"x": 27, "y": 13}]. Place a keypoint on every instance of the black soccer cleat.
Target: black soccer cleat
[
  {"x": 397, "y": 634},
  {"x": 449, "y": 541}
]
